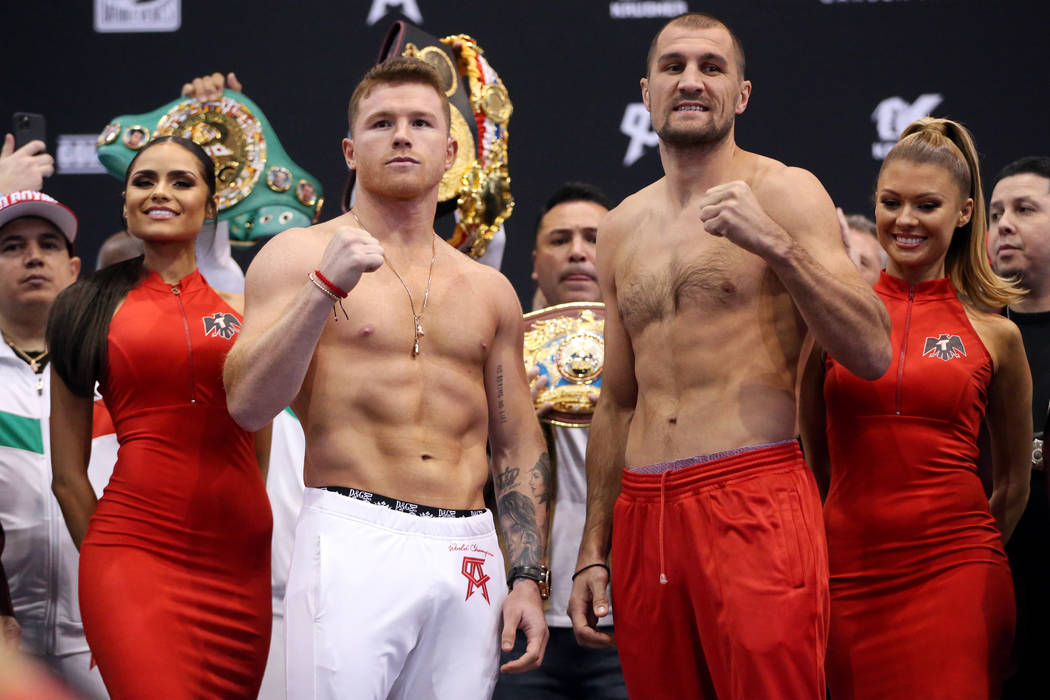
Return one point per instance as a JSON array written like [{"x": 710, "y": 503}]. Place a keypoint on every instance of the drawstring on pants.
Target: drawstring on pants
[{"x": 663, "y": 576}]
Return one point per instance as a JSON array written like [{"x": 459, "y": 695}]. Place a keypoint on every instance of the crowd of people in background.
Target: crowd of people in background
[{"x": 815, "y": 467}]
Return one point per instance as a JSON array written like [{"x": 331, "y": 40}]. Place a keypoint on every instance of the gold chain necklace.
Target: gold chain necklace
[
  {"x": 34, "y": 362},
  {"x": 417, "y": 319}
]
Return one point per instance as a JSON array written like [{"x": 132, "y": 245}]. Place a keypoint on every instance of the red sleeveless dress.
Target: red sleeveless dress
[
  {"x": 175, "y": 565},
  {"x": 922, "y": 604}
]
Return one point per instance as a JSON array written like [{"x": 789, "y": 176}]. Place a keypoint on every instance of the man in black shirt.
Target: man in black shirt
[{"x": 1019, "y": 244}]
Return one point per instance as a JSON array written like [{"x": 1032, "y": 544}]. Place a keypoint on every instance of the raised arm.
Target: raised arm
[
  {"x": 794, "y": 230},
  {"x": 605, "y": 456},
  {"x": 1009, "y": 420},
  {"x": 518, "y": 448},
  {"x": 70, "y": 453},
  {"x": 285, "y": 313}
]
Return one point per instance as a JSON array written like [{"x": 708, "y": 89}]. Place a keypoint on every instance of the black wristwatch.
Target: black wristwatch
[{"x": 540, "y": 574}]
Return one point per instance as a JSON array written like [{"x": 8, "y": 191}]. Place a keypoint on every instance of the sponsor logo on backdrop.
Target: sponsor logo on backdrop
[
  {"x": 893, "y": 114},
  {"x": 75, "y": 155},
  {"x": 138, "y": 15},
  {"x": 637, "y": 126},
  {"x": 381, "y": 8},
  {"x": 638, "y": 9}
]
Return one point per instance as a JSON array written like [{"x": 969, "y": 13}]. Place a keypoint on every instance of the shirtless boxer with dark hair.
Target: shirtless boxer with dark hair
[{"x": 712, "y": 276}]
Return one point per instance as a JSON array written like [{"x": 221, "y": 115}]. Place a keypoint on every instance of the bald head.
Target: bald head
[{"x": 117, "y": 248}]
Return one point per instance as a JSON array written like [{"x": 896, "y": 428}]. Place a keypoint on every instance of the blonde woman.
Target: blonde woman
[{"x": 922, "y": 600}]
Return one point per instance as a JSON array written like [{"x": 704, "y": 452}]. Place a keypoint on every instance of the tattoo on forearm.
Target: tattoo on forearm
[
  {"x": 540, "y": 479},
  {"x": 508, "y": 479},
  {"x": 517, "y": 514},
  {"x": 499, "y": 394}
]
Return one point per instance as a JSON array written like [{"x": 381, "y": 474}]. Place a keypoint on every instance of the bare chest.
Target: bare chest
[
  {"x": 385, "y": 320},
  {"x": 686, "y": 274}
]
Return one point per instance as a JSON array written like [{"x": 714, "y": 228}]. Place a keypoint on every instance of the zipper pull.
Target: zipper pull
[{"x": 175, "y": 290}]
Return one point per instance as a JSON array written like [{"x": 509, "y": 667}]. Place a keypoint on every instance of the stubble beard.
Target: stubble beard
[{"x": 694, "y": 137}]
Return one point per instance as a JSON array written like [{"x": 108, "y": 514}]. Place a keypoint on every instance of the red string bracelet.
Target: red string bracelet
[
  {"x": 335, "y": 290},
  {"x": 336, "y": 299}
]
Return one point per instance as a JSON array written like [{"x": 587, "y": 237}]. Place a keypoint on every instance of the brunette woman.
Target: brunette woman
[{"x": 175, "y": 556}]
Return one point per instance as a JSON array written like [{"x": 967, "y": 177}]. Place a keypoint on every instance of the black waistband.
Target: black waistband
[{"x": 402, "y": 506}]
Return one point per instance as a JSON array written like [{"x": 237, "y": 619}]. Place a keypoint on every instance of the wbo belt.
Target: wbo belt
[{"x": 261, "y": 190}]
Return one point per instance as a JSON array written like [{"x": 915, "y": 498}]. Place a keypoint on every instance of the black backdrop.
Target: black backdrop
[{"x": 825, "y": 72}]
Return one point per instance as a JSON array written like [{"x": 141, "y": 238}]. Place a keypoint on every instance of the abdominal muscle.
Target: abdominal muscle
[
  {"x": 710, "y": 382},
  {"x": 412, "y": 429}
]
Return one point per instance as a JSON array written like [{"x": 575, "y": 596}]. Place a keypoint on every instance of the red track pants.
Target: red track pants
[{"x": 743, "y": 614}]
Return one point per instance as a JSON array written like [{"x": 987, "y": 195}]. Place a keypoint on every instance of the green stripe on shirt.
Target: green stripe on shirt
[{"x": 21, "y": 433}]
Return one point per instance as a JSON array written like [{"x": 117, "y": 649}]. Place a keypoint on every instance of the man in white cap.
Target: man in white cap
[{"x": 36, "y": 263}]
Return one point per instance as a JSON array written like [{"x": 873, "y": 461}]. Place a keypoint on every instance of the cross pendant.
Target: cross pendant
[{"x": 34, "y": 366}]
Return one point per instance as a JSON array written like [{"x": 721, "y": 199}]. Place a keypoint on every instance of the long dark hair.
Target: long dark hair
[{"x": 78, "y": 325}]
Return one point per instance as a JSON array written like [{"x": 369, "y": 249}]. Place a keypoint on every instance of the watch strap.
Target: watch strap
[{"x": 540, "y": 574}]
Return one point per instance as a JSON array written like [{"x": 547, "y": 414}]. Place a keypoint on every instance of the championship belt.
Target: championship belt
[
  {"x": 477, "y": 186},
  {"x": 261, "y": 190},
  {"x": 567, "y": 343}
]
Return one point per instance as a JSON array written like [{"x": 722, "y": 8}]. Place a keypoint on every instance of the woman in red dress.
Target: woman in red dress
[
  {"x": 175, "y": 556},
  {"x": 921, "y": 597}
]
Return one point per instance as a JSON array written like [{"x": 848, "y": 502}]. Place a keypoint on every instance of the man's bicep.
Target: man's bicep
[
  {"x": 274, "y": 278},
  {"x": 798, "y": 202},
  {"x": 618, "y": 381},
  {"x": 511, "y": 414}
]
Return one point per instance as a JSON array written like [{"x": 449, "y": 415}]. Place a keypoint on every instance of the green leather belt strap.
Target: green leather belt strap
[{"x": 261, "y": 190}]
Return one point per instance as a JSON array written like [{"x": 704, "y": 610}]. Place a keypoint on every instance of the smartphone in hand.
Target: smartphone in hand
[{"x": 27, "y": 127}]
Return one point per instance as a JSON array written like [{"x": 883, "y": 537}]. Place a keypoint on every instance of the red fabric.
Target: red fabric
[
  {"x": 175, "y": 566},
  {"x": 922, "y": 602},
  {"x": 744, "y": 612},
  {"x": 101, "y": 421}
]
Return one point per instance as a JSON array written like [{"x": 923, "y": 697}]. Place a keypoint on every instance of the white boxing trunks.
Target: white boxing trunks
[{"x": 383, "y": 603}]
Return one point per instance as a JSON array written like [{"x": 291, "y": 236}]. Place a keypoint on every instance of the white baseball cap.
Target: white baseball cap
[{"x": 16, "y": 205}]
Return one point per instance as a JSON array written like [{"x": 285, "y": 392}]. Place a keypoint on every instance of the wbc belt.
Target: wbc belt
[{"x": 261, "y": 190}]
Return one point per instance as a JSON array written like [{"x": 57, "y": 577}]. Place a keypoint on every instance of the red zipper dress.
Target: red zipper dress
[
  {"x": 922, "y": 603},
  {"x": 175, "y": 566}
]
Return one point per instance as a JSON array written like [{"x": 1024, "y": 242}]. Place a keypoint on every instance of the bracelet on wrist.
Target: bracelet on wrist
[
  {"x": 330, "y": 294},
  {"x": 333, "y": 288},
  {"x": 591, "y": 566}
]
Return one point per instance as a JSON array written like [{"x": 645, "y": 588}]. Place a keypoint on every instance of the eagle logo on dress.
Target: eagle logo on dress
[
  {"x": 944, "y": 346},
  {"x": 221, "y": 325}
]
